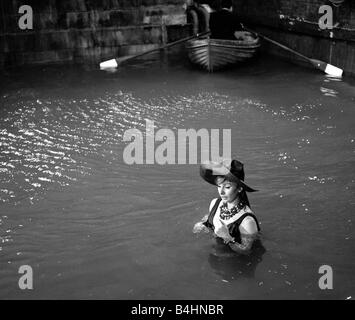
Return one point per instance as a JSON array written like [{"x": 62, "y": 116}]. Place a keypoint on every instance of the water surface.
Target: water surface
[{"x": 92, "y": 226}]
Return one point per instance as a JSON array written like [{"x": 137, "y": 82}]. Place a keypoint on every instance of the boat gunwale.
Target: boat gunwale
[
  {"x": 196, "y": 43},
  {"x": 222, "y": 46}
]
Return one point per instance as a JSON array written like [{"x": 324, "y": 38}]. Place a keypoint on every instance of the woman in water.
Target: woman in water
[{"x": 230, "y": 217}]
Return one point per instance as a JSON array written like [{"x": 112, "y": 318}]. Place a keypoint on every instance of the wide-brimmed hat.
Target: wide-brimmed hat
[{"x": 232, "y": 170}]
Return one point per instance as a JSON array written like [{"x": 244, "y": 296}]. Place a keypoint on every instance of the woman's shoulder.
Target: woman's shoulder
[{"x": 249, "y": 225}]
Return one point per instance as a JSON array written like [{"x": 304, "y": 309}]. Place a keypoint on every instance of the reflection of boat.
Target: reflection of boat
[{"x": 212, "y": 54}]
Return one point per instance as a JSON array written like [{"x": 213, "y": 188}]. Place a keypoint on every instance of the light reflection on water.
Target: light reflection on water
[{"x": 94, "y": 227}]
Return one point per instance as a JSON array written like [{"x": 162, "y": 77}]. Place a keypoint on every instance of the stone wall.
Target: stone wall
[
  {"x": 86, "y": 30},
  {"x": 295, "y": 24}
]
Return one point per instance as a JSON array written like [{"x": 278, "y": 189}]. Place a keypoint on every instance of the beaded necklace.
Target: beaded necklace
[{"x": 226, "y": 213}]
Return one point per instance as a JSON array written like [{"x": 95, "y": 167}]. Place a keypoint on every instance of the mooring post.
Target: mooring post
[
  {"x": 164, "y": 33},
  {"x": 164, "y": 39}
]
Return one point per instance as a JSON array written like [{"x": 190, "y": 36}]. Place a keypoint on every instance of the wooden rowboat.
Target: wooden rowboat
[{"x": 213, "y": 54}]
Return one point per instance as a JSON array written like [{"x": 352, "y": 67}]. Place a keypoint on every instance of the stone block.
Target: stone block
[
  {"x": 90, "y": 55},
  {"x": 15, "y": 42},
  {"x": 135, "y": 49},
  {"x": 152, "y": 35},
  {"x": 65, "y": 55},
  {"x": 45, "y": 21},
  {"x": 72, "y": 18},
  {"x": 64, "y": 6},
  {"x": 169, "y": 15},
  {"x": 2, "y": 61},
  {"x": 62, "y": 22},
  {"x": 161, "y": 2},
  {"x": 103, "y": 19},
  {"x": 8, "y": 7},
  {"x": 60, "y": 40},
  {"x": 125, "y": 18},
  {"x": 37, "y": 5},
  {"x": 106, "y": 53},
  {"x": 10, "y": 23},
  {"x": 125, "y": 4},
  {"x": 177, "y": 32},
  {"x": 12, "y": 59},
  {"x": 83, "y": 20},
  {"x": 352, "y": 18},
  {"x": 350, "y": 52},
  {"x": 40, "y": 57},
  {"x": 84, "y": 39},
  {"x": 3, "y": 43}
]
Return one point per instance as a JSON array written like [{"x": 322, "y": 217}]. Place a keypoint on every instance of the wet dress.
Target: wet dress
[{"x": 214, "y": 222}]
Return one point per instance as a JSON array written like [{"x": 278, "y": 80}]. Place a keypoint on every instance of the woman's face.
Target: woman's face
[{"x": 227, "y": 190}]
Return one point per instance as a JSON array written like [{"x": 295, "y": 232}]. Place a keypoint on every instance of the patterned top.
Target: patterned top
[
  {"x": 227, "y": 228},
  {"x": 226, "y": 214}
]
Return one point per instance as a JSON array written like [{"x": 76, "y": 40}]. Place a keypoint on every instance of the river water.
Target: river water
[{"x": 93, "y": 227}]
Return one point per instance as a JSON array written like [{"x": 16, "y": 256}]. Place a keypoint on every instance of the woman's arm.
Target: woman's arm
[
  {"x": 248, "y": 233},
  {"x": 245, "y": 246},
  {"x": 199, "y": 226}
]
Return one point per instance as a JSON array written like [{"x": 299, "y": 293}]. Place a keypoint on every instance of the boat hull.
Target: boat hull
[{"x": 214, "y": 54}]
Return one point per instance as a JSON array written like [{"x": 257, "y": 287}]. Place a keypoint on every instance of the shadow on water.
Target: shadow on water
[{"x": 232, "y": 266}]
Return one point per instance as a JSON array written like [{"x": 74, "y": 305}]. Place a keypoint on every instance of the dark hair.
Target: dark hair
[
  {"x": 244, "y": 198},
  {"x": 226, "y": 3}
]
